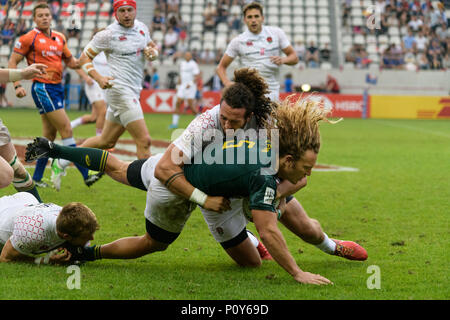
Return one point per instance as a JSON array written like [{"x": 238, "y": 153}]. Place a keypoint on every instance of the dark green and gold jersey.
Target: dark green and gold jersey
[{"x": 236, "y": 168}]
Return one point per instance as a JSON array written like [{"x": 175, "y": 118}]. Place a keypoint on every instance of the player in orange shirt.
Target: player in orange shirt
[{"x": 43, "y": 45}]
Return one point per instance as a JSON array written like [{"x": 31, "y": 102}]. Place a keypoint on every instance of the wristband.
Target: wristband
[
  {"x": 87, "y": 67},
  {"x": 198, "y": 197},
  {"x": 15, "y": 75}
]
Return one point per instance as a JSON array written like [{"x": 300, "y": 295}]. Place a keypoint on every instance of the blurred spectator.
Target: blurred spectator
[
  {"x": 146, "y": 81},
  {"x": 74, "y": 29},
  {"x": 170, "y": 42},
  {"x": 173, "y": 6},
  {"x": 210, "y": 11},
  {"x": 332, "y": 85},
  {"x": 437, "y": 16},
  {"x": 7, "y": 34},
  {"x": 235, "y": 23},
  {"x": 410, "y": 61},
  {"x": 421, "y": 42},
  {"x": 435, "y": 54},
  {"x": 154, "y": 84},
  {"x": 415, "y": 23},
  {"x": 409, "y": 40},
  {"x": 222, "y": 14},
  {"x": 158, "y": 22},
  {"x": 160, "y": 5},
  {"x": 207, "y": 57},
  {"x": 312, "y": 55},
  {"x": 422, "y": 61},
  {"x": 300, "y": 49},
  {"x": 393, "y": 57},
  {"x": 209, "y": 23},
  {"x": 325, "y": 53},
  {"x": 288, "y": 83},
  {"x": 21, "y": 28},
  {"x": 214, "y": 83}
]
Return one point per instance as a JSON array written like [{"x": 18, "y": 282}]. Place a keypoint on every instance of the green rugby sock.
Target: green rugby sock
[{"x": 93, "y": 159}]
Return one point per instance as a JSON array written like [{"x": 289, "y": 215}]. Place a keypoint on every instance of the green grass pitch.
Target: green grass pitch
[{"x": 397, "y": 206}]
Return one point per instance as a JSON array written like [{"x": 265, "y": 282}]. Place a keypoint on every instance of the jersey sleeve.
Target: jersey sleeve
[
  {"x": 101, "y": 41},
  {"x": 283, "y": 39},
  {"x": 23, "y": 44},
  {"x": 200, "y": 130},
  {"x": 263, "y": 189},
  {"x": 233, "y": 48},
  {"x": 28, "y": 234},
  {"x": 66, "y": 52}
]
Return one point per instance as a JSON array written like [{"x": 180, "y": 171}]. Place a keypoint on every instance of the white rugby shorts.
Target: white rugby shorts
[
  {"x": 5, "y": 137},
  {"x": 226, "y": 225},
  {"x": 163, "y": 208},
  {"x": 94, "y": 93},
  {"x": 187, "y": 90}
]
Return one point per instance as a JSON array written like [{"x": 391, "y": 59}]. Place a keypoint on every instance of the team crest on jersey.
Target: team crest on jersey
[
  {"x": 249, "y": 43},
  {"x": 18, "y": 45},
  {"x": 269, "y": 39},
  {"x": 142, "y": 32},
  {"x": 42, "y": 40},
  {"x": 269, "y": 196}
]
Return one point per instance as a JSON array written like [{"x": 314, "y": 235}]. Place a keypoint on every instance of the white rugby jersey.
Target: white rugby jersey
[
  {"x": 31, "y": 228},
  {"x": 255, "y": 51},
  {"x": 101, "y": 64},
  {"x": 124, "y": 51},
  {"x": 200, "y": 131},
  {"x": 188, "y": 71}
]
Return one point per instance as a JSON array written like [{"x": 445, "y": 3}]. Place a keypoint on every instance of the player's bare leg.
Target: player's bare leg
[
  {"x": 131, "y": 247},
  {"x": 245, "y": 254},
  {"x": 138, "y": 130},
  {"x": 191, "y": 104},
  {"x": 176, "y": 115},
  {"x": 108, "y": 139},
  {"x": 297, "y": 221}
]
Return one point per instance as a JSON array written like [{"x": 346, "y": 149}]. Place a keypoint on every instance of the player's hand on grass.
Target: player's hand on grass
[
  {"x": 105, "y": 82},
  {"x": 63, "y": 256},
  {"x": 217, "y": 204},
  {"x": 311, "y": 278}
]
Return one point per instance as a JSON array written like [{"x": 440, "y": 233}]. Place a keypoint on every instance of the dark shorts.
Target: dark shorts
[
  {"x": 48, "y": 97},
  {"x": 236, "y": 240},
  {"x": 159, "y": 234},
  {"x": 134, "y": 174}
]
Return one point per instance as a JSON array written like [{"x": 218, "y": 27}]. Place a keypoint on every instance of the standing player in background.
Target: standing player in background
[
  {"x": 95, "y": 95},
  {"x": 187, "y": 87},
  {"x": 259, "y": 47},
  {"x": 127, "y": 45},
  {"x": 11, "y": 169},
  {"x": 43, "y": 45}
]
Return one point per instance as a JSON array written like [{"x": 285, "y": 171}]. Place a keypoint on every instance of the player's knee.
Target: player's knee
[
  {"x": 313, "y": 231},
  {"x": 252, "y": 263},
  {"x": 6, "y": 176},
  {"x": 144, "y": 141}
]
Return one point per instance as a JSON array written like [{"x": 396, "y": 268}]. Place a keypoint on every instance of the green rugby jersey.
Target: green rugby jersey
[{"x": 236, "y": 169}]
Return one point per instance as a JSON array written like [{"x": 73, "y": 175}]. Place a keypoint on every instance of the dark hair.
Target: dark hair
[
  {"x": 41, "y": 5},
  {"x": 249, "y": 91},
  {"x": 253, "y": 5}
]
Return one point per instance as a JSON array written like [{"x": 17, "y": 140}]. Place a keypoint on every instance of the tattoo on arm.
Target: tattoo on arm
[{"x": 172, "y": 178}]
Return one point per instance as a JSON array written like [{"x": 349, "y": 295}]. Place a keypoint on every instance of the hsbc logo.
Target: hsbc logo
[{"x": 163, "y": 101}]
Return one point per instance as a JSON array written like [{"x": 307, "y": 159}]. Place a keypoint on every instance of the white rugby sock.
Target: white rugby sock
[
  {"x": 327, "y": 245},
  {"x": 69, "y": 142},
  {"x": 77, "y": 122},
  {"x": 175, "y": 118},
  {"x": 253, "y": 239}
]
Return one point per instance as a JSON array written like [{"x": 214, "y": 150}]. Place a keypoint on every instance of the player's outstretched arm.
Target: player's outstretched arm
[
  {"x": 221, "y": 70},
  {"x": 169, "y": 171},
  {"x": 88, "y": 68},
  {"x": 271, "y": 236},
  {"x": 14, "y": 60}
]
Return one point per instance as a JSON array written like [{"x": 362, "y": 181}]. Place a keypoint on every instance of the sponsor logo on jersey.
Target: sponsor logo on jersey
[
  {"x": 269, "y": 196},
  {"x": 269, "y": 39},
  {"x": 122, "y": 38},
  {"x": 249, "y": 43},
  {"x": 142, "y": 33}
]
